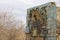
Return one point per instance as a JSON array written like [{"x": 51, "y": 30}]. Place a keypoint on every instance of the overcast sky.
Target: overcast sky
[{"x": 19, "y": 7}]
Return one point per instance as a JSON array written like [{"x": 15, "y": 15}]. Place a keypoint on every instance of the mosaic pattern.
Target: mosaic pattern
[{"x": 41, "y": 21}]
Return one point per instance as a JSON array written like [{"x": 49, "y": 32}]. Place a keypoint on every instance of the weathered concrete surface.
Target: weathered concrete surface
[{"x": 58, "y": 24}]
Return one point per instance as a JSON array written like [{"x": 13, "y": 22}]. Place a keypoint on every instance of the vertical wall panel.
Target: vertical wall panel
[{"x": 41, "y": 21}]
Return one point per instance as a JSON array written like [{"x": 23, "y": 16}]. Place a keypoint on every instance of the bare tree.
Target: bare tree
[
  {"x": 6, "y": 23},
  {"x": 10, "y": 29}
]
